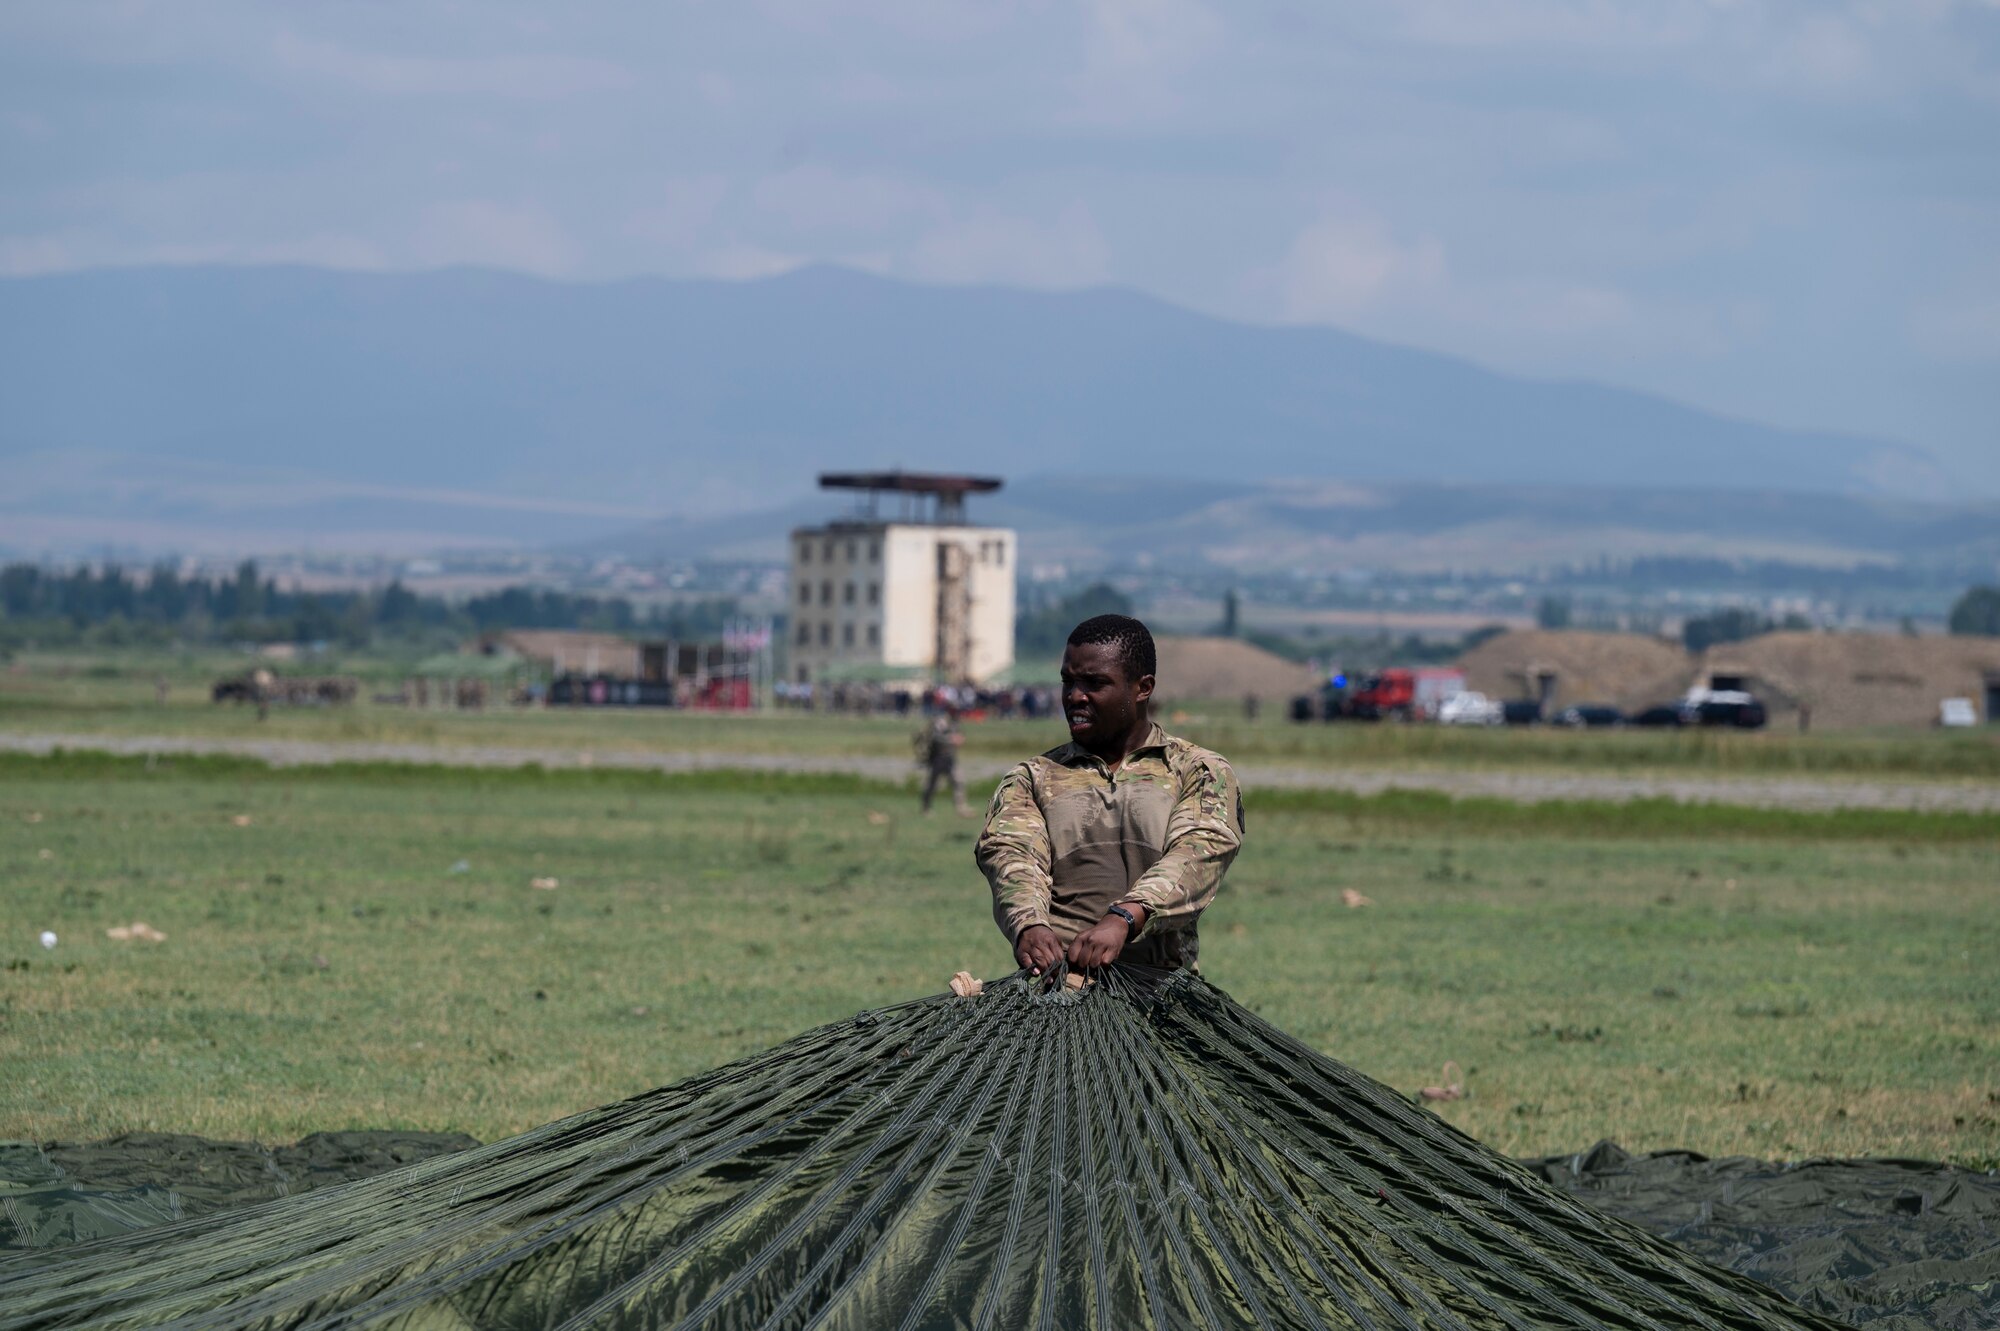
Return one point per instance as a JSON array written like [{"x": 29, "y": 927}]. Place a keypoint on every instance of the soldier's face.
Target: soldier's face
[{"x": 1100, "y": 701}]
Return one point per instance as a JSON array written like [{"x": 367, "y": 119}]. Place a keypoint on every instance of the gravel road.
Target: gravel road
[{"x": 1775, "y": 792}]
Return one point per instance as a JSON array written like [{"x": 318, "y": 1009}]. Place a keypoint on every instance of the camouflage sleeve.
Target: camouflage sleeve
[
  {"x": 1014, "y": 853},
  {"x": 1204, "y": 833}
]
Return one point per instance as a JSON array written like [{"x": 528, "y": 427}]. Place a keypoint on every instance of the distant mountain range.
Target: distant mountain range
[
  {"x": 1272, "y": 527},
  {"x": 209, "y": 407}
]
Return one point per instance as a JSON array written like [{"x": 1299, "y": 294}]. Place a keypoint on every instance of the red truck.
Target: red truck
[{"x": 1405, "y": 694}]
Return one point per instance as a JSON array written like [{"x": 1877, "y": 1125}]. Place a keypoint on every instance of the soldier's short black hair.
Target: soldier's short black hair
[{"x": 1132, "y": 639}]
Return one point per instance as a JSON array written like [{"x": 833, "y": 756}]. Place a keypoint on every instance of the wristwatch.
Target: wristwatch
[{"x": 1131, "y": 921}]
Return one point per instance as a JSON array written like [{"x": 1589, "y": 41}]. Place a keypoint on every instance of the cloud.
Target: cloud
[
  {"x": 816, "y": 197},
  {"x": 920, "y": 20},
  {"x": 1353, "y": 270},
  {"x": 26, "y": 127},
  {"x": 1345, "y": 264},
  {"x": 31, "y": 256},
  {"x": 1733, "y": 201},
  {"x": 1065, "y": 251},
  {"x": 495, "y": 234},
  {"x": 1138, "y": 59},
  {"x": 1801, "y": 48},
  {"x": 1962, "y": 326},
  {"x": 675, "y": 213},
  {"x": 72, "y": 251},
  {"x": 1550, "y": 308},
  {"x": 1149, "y": 34},
  {"x": 740, "y": 263},
  {"x": 1543, "y": 24},
  {"x": 535, "y": 76},
  {"x": 1826, "y": 52}
]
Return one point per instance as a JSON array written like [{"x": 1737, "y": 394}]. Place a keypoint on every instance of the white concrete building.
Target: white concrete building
[{"x": 880, "y": 599}]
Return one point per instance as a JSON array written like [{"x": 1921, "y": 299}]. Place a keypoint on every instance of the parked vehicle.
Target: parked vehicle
[
  {"x": 1956, "y": 712},
  {"x": 1591, "y": 715},
  {"x": 264, "y": 688},
  {"x": 1521, "y": 712},
  {"x": 1405, "y": 694},
  {"x": 1722, "y": 707},
  {"x": 1328, "y": 704},
  {"x": 1470, "y": 709},
  {"x": 1665, "y": 714}
]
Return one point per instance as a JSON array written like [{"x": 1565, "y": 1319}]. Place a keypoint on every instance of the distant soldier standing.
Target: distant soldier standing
[
  {"x": 1110, "y": 846},
  {"x": 265, "y": 683},
  {"x": 938, "y": 743}
]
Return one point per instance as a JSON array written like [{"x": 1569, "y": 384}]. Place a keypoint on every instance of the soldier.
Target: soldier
[
  {"x": 938, "y": 745},
  {"x": 1110, "y": 846},
  {"x": 265, "y": 684}
]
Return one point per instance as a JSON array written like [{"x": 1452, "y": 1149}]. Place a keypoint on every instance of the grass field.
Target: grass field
[
  {"x": 78, "y": 695},
  {"x": 366, "y": 948}
]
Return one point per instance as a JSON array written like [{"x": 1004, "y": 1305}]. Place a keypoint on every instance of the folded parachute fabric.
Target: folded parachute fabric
[
  {"x": 60, "y": 1193},
  {"x": 1142, "y": 1152}
]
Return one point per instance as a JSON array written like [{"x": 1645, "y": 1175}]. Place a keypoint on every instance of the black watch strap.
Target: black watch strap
[{"x": 1131, "y": 921}]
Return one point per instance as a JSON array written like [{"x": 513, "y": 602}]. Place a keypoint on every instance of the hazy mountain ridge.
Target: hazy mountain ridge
[
  {"x": 412, "y": 398},
  {"x": 1265, "y": 528}
]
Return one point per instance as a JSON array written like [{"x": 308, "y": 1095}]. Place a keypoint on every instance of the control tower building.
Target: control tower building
[{"x": 905, "y": 589}]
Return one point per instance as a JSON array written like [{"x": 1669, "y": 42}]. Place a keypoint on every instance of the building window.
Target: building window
[
  {"x": 847, "y": 594},
  {"x": 805, "y": 593},
  {"x": 847, "y": 635},
  {"x": 805, "y": 675},
  {"x": 850, "y": 552},
  {"x": 826, "y": 635},
  {"x": 826, "y": 593},
  {"x": 874, "y": 593},
  {"x": 1000, "y": 554},
  {"x": 805, "y": 634},
  {"x": 874, "y": 552},
  {"x": 874, "y": 635},
  {"x": 828, "y": 552},
  {"x": 805, "y": 552}
]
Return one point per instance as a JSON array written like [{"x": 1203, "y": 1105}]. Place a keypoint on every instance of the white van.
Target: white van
[{"x": 1956, "y": 712}]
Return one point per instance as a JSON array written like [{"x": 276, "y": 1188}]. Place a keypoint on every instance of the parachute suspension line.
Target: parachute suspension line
[
  {"x": 1419, "y": 1166},
  {"x": 1137, "y": 1153}
]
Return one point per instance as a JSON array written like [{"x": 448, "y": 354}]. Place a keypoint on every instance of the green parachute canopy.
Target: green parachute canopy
[{"x": 1141, "y": 1153}]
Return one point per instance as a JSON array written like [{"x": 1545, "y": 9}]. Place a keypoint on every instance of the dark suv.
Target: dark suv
[
  {"x": 1591, "y": 715},
  {"x": 1725, "y": 709}
]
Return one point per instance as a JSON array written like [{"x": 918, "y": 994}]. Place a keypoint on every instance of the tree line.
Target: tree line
[{"x": 111, "y": 605}]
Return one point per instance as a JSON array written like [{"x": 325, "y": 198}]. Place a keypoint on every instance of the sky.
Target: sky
[{"x": 1787, "y": 210}]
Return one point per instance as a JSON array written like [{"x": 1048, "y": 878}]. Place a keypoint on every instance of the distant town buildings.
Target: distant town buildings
[{"x": 920, "y": 596}]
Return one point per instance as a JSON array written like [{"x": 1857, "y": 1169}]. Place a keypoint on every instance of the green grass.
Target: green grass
[
  {"x": 1417, "y": 810},
  {"x": 87, "y": 696},
  {"x": 1703, "y": 981}
]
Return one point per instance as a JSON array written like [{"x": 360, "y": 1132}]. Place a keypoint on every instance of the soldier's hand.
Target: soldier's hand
[
  {"x": 1037, "y": 948},
  {"x": 1100, "y": 944}
]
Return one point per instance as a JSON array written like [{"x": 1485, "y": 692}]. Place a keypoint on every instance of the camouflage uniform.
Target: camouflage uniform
[
  {"x": 937, "y": 745},
  {"x": 1066, "y": 837}
]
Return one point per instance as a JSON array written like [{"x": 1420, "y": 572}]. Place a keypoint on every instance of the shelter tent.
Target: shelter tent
[
  {"x": 1848, "y": 680},
  {"x": 1143, "y": 1153},
  {"x": 1861, "y": 679},
  {"x": 1565, "y": 667}
]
